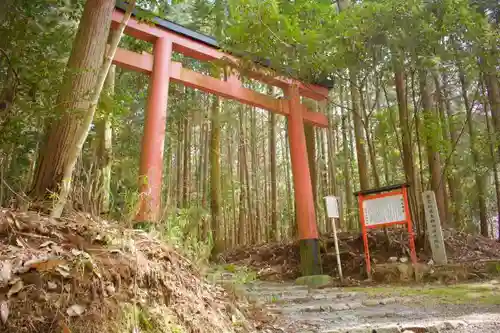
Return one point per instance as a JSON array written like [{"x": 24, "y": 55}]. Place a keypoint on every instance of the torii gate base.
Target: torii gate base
[{"x": 166, "y": 38}]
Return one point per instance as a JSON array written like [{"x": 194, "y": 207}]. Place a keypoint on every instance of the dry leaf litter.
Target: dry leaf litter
[
  {"x": 281, "y": 261},
  {"x": 82, "y": 274}
]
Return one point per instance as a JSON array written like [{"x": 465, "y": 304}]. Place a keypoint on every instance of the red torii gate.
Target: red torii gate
[{"x": 161, "y": 69}]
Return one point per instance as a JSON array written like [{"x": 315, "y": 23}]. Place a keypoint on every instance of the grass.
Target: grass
[
  {"x": 239, "y": 274},
  {"x": 148, "y": 320},
  {"x": 454, "y": 294}
]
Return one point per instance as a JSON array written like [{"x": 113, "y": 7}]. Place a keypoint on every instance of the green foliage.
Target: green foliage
[
  {"x": 147, "y": 320},
  {"x": 238, "y": 275},
  {"x": 181, "y": 230}
]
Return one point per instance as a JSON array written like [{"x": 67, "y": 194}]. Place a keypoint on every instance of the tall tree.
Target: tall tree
[
  {"x": 79, "y": 82},
  {"x": 242, "y": 221},
  {"x": 479, "y": 177},
  {"x": 104, "y": 149},
  {"x": 404, "y": 124},
  {"x": 274, "y": 187},
  {"x": 215, "y": 176},
  {"x": 433, "y": 156}
]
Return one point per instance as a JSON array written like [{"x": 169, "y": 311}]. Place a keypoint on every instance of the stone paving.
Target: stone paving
[{"x": 461, "y": 309}]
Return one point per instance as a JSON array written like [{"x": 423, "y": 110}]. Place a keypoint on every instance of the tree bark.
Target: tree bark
[
  {"x": 230, "y": 163},
  {"x": 215, "y": 177},
  {"x": 434, "y": 160},
  {"x": 444, "y": 140},
  {"x": 255, "y": 181},
  {"x": 265, "y": 204},
  {"x": 404, "y": 124},
  {"x": 347, "y": 169},
  {"x": 241, "y": 175},
  {"x": 418, "y": 137},
  {"x": 179, "y": 163},
  {"x": 491, "y": 145},
  {"x": 359, "y": 136},
  {"x": 274, "y": 189},
  {"x": 79, "y": 81},
  {"x": 493, "y": 89},
  {"x": 479, "y": 177},
  {"x": 206, "y": 178},
  {"x": 186, "y": 169},
  {"x": 83, "y": 128},
  {"x": 453, "y": 181},
  {"x": 104, "y": 149},
  {"x": 248, "y": 184}
]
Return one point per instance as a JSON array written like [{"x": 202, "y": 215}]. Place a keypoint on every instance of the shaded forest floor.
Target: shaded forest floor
[
  {"x": 469, "y": 256},
  {"x": 88, "y": 275}
]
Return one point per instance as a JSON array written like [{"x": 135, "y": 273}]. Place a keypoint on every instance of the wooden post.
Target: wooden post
[
  {"x": 333, "y": 212},
  {"x": 153, "y": 140}
]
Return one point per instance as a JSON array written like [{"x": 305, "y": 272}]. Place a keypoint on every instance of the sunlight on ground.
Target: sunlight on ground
[{"x": 484, "y": 293}]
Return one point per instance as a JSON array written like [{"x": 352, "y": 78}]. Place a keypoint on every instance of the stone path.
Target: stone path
[{"x": 459, "y": 309}]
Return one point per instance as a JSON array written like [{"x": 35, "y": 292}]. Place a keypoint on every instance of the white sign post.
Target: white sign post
[{"x": 332, "y": 210}]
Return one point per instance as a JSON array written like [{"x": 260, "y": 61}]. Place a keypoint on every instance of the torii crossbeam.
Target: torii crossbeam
[{"x": 168, "y": 37}]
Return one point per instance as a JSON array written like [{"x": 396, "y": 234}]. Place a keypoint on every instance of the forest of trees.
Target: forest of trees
[{"x": 415, "y": 99}]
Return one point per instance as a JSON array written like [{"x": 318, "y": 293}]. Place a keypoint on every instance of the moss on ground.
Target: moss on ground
[
  {"x": 315, "y": 281},
  {"x": 451, "y": 294}
]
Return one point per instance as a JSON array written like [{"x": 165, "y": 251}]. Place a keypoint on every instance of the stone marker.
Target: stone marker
[{"x": 434, "y": 229}]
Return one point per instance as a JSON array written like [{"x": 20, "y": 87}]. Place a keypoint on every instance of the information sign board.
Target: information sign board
[
  {"x": 384, "y": 207},
  {"x": 384, "y": 210}
]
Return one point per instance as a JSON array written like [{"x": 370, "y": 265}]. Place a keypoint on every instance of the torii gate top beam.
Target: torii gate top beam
[{"x": 204, "y": 48}]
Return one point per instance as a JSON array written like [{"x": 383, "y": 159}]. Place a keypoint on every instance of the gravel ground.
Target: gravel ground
[{"x": 459, "y": 309}]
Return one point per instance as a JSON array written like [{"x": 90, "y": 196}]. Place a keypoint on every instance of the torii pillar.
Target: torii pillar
[
  {"x": 304, "y": 201},
  {"x": 153, "y": 139}
]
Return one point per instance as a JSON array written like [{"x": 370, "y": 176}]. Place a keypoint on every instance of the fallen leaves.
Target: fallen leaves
[
  {"x": 45, "y": 273},
  {"x": 281, "y": 261},
  {"x": 4, "y": 312},
  {"x": 65, "y": 328},
  {"x": 5, "y": 272},
  {"x": 17, "y": 287},
  {"x": 47, "y": 244},
  {"x": 63, "y": 270},
  {"x": 48, "y": 265},
  {"x": 75, "y": 310}
]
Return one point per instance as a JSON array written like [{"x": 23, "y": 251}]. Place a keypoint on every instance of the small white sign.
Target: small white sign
[
  {"x": 332, "y": 206},
  {"x": 384, "y": 210}
]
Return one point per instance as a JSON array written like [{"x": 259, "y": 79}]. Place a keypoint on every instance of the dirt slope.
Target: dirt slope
[{"x": 86, "y": 275}]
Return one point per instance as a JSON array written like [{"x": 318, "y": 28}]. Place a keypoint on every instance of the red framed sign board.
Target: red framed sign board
[{"x": 385, "y": 207}]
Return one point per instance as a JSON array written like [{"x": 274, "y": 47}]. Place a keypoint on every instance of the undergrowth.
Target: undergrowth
[
  {"x": 181, "y": 230},
  {"x": 148, "y": 320}
]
